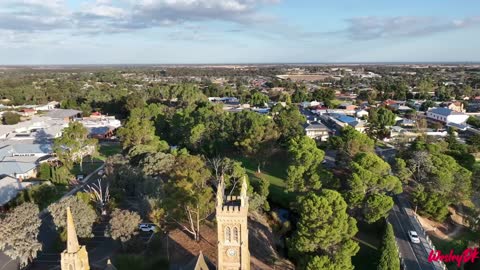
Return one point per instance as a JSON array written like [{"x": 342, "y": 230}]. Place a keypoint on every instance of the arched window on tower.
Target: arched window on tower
[
  {"x": 235, "y": 234},
  {"x": 228, "y": 234}
]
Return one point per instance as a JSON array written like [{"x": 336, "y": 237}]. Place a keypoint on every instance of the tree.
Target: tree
[
  {"x": 258, "y": 99},
  {"x": 371, "y": 177},
  {"x": 324, "y": 95},
  {"x": 83, "y": 215},
  {"x": 350, "y": 143},
  {"x": 316, "y": 236},
  {"x": 157, "y": 164},
  {"x": 299, "y": 95},
  {"x": 19, "y": 231},
  {"x": 74, "y": 145},
  {"x": 11, "y": 118},
  {"x": 378, "y": 121},
  {"x": 44, "y": 171},
  {"x": 190, "y": 198},
  {"x": 425, "y": 87},
  {"x": 289, "y": 122},
  {"x": 303, "y": 173},
  {"x": 401, "y": 171},
  {"x": 138, "y": 134},
  {"x": 123, "y": 224},
  {"x": 254, "y": 134},
  {"x": 474, "y": 121},
  {"x": 427, "y": 105},
  {"x": 376, "y": 207},
  {"x": 389, "y": 259}
]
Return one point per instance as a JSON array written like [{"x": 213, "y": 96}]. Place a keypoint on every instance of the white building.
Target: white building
[{"x": 446, "y": 116}]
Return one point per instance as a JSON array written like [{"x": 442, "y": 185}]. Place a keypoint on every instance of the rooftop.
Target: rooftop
[
  {"x": 62, "y": 113},
  {"x": 444, "y": 111}
]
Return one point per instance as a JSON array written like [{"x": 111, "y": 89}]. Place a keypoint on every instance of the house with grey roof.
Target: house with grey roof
[
  {"x": 21, "y": 160},
  {"x": 9, "y": 188},
  {"x": 317, "y": 131},
  {"x": 446, "y": 116}
]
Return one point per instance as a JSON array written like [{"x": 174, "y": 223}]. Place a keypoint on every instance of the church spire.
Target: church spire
[
  {"x": 221, "y": 191},
  {"x": 72, "y": 240},
  {"x": 243, "y": 192}
]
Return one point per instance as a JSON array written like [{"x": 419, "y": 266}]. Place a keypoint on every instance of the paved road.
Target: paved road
[
  {"x": 415, "y": 256},
  {"x": 48, "y": 257}
]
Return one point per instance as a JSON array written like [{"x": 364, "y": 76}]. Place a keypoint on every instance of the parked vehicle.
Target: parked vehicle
[{"x": 146, "y": 227}]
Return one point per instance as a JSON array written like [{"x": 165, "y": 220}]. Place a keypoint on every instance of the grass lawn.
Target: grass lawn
[
  {"x": 369, "y": 238},
  {"x": 275, "y": 171},
  {"x": 88, "y": 167},
  {"x": 109, "y": 150}
]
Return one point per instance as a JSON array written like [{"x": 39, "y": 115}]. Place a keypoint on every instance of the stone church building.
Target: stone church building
[{"x": 232, "y": 234}]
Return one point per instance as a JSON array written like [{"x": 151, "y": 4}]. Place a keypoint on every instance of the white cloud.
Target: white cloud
[{"x": 370, "y": 27}]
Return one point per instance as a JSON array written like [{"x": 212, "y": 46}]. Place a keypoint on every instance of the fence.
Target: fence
[{"x": 418, "y": 226}]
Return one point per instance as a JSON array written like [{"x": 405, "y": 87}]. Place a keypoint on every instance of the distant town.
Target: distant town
[{"x": 274, "y": 166}]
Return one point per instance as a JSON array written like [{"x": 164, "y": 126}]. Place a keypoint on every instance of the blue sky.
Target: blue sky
[{"x": 237, "y": 31}]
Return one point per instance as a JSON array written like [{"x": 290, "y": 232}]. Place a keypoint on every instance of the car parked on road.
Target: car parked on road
[
  {"x": 146, "y": 227},
  {"x": 413, "y": 237}
]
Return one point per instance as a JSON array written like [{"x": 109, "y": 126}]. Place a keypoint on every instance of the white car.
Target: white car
[
  {"x": 413, "y": 237},
  {"x": 146, "y": 227}
]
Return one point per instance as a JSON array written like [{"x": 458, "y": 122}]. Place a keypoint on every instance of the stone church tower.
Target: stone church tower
[
  {"x": 232, "y": 229},
  {"x": 75, "y": 257}
]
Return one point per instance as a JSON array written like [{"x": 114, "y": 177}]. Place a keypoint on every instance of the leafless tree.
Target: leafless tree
[{"x": 99, "y": 195}]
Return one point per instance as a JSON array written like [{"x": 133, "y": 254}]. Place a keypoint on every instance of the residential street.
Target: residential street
[{"x": 414, "y": 255}]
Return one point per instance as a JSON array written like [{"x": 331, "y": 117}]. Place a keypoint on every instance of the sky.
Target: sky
[{"x": 60, "y": 32}]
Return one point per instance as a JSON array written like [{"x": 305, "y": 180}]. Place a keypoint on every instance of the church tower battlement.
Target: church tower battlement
[{"x": 232, "y": 229}]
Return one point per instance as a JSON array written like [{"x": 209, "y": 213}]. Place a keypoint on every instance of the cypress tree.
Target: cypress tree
[{"x": 389, "y": 259}]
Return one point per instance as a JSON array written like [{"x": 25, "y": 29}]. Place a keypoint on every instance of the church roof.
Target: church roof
[{"x": 200, "y": 262}]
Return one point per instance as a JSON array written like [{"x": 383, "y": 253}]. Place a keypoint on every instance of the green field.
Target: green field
[
  {"x": 109, "y": 150},
  {"x": 275, "y": 171},
  {"x": 88, "y": 167}
]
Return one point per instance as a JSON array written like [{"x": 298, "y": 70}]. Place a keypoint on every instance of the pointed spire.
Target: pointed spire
[
  {"x": 243, "y": 192},
  {"x": 220, "y": 191},
  {"x": 72, "y": 240}
]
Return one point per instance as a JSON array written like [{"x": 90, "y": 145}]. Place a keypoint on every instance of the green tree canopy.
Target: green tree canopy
[
  {"x": 303, "y": 174},
  {"x": 190, "y": 197},
  {"x": 389, "y": 259},
  {"x": 371, "y": 177},
  {"x": 19, "y": 231},
  {"x": 74, "y": 145},
  {"x": 316, "y": 240},
  {"x": 378, "y": 121},
  {"x": 123, "y": 224},
  {"x": 11, "y": 118},
  {"x": 350, "y": 143},
  {"x": 289, "y": 122}
]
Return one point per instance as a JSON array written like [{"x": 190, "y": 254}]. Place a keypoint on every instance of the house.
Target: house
[
  {"x": 361, "y": 113},
  {"x": 347, "y": 106},
  {"x": 49, "y": 106},
  {"x": 446, "y": 116},
  {"x": 28, "y": 112},
  {"x": 19, "y": 170},
  {"x": 317, "y": 131},
  {"x": 342, "y": 121},
  {"x": 9, "y": 188},
  {"x": 101, "y": 132},
  {"x": 21, "y": 160},
  {"x": 65, "y": 114},
  {"x": 456, "y": 106}
]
